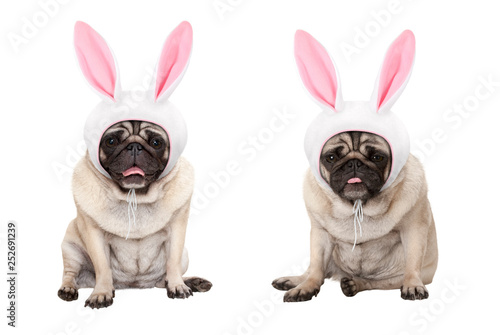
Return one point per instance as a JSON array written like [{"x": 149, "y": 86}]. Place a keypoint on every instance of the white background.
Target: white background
[{"x": 254, "y": 228}]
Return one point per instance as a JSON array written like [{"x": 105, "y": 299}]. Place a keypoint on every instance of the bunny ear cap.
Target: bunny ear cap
[
  {"x": 173, "y": 61},
  {"x": 395, "y": 72},
  {"x": 320, "y": 78},
  {"x": 96, "y": 61},
  {"x": 317, "y": 70},
  {"x": 99, "y": 68}
]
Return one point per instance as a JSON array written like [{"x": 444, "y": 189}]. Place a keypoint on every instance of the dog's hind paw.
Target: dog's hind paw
[
  {"x": 287, "y": 283},
  {"x": 197, "y": 284},
  {"x": 348, "y": 286}
]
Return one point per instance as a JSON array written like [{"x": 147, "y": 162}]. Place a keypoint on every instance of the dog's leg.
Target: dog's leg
[
  {"x": 414, "y": 234},
  {"x": 321, "y": 253},
  {"x": 72, "y": 261},
  {"x": 176, "y": 288},
  {"x": 98, "y": 252}
]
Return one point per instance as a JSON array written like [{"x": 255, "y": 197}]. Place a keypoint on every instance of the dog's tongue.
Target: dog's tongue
[
  {"x": 354, "y": 181},
  {"x": 133, "y": 170}
]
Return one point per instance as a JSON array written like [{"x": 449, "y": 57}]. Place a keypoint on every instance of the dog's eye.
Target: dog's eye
[
  {"x": 111, "y": 142},
  {"x": 330, "y": 158},
  {"x": 156, "y": 143},
  {"x": 377, "y": 158}
]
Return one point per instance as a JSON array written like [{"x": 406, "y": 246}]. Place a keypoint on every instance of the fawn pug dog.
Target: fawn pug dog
[
  {"x": 132, "y": 190},
  {"x": 371, "y": 222}
]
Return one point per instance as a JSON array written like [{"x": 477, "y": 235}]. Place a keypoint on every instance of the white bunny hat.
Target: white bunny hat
[
  {"x": 321, "y": 79},
  {"x": 99, "y": 67}
]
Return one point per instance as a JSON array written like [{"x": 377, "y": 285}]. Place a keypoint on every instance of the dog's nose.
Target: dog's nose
[
  {"x": 134, "y": 149},
  {"x": 354, "y": 164}
]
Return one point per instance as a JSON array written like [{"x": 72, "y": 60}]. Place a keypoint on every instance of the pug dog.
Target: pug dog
[
  {"x": 132, "y": 190},
  {"x": 96, "y": 253},
  {"x": 371, "y": 222},
  {"x": 398, "y": 247}
]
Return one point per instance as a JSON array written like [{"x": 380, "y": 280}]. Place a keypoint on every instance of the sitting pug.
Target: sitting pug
[
  {"x": 366, "y": 196},
  {"x": 132, "y": 190}
]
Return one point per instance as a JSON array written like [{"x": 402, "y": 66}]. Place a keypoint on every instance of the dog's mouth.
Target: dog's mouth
[
  {"x": 354, "y": 184},
  {"x": 354, "y": 181},
  {"x": 133, "y": 177},
  {"x": 133, "y": 171},
  {"x": 355, "y": 188}
]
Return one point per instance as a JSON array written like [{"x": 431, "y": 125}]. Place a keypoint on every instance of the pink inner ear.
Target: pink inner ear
[
  {"x": 95, "y": 58},
  {"x": 316, "y": 68},
  {"x": 174, "y": 57},
  {"x": 397, "y": 66}
]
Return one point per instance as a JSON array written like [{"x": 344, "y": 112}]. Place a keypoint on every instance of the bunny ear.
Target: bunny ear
[
  {"x": 173, "y": 61},
  {"x": 317, "y": 71},
  {"x": 96, "y": 61},
  {"x": 395, "y": 71}
]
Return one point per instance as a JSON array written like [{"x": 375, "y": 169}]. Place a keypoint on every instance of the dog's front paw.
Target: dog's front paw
[
  {"x": 100, "y": 299},
  {"x": 414, "y": 292},
  {"x": 68, "y": 293},
  {"x": 302, "y": 292},
  {"x": 179, "y": 291},
  {"x": 348, "y": 286}
]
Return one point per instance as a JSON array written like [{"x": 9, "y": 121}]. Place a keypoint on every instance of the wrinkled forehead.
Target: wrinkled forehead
[
  {"x": 356, "y": 141},
  {"x": 144, "y": 129}
]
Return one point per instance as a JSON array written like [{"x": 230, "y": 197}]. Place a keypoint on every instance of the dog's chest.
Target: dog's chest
[
  {"x": 378, "y": 252},
  {"x": 121, "y": 220},
  {"x": 375, "y": 259},
  {"x": 141, "y": 260}
]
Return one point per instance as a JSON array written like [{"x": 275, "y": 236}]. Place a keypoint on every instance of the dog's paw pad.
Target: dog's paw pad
[
  {"x": 414, "y": 293},
  {"x": 68, "y": 293},
  {"x": 348, "y": 286},
  {"x": 197, "y": 284}
]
